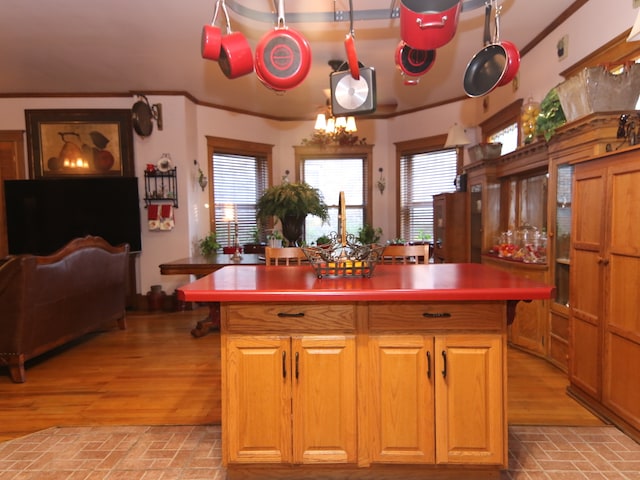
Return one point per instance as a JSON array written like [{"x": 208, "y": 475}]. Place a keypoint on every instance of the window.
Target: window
[
  {"x": 421, "y": 177},
  {"x": 424, "y": 171},
  {"x": 503, "y": 127},
  {"x": 508, "y": 137},
  {"x": 333, "y": 170},
  {"x": 240, "y": 174}
]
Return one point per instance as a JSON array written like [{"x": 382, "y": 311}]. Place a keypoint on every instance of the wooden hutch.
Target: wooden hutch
[
  {"x": 578, "y": 188},
  {"x": 532, "y": 186}
]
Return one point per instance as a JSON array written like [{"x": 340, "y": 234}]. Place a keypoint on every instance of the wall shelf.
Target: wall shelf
[{"x": 161, "y": 187}]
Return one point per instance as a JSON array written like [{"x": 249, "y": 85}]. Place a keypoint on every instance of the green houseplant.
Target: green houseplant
[
  {"x": 551, "y": 115},
  {"x": 367, "y": 235},
  {"x": 291, "y": 203},
  {"x": 209, "y": 245}
]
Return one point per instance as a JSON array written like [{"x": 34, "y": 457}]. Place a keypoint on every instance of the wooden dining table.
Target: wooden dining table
[{"x": 200, "y": 266}]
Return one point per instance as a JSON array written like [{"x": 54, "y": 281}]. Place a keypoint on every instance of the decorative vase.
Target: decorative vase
[
  {"x": 292, "y": 227},
  {"x": 155, "y": 298}
]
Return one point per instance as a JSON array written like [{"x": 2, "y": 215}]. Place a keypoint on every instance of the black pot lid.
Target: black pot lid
[{"x": 141, "y": 116}]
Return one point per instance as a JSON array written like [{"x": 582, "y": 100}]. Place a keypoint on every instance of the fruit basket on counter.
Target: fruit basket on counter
[{"x": 343, "y": 257}]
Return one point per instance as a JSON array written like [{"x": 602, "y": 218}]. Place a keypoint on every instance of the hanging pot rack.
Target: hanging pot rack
[{"x": 336, "y": 16}]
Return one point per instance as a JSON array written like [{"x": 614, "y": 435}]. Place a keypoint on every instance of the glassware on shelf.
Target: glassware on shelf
[
  {"x": 507, "y": 246},
  {"x": 527, "y": 244}
]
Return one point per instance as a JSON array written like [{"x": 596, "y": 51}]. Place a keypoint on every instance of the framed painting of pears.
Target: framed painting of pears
[{"x": 64, "y": 143}]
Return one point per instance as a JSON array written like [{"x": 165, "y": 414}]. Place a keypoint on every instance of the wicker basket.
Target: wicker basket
[
  {"x": 595, "y": 90},
  {"x": 485, "y": 151},
  {"x": 350, "y": 259}
]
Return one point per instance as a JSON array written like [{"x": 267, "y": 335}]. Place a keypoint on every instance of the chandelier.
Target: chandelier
[
  {"x": 333, "y": 130},
  {"x": 330, "y": 124}
]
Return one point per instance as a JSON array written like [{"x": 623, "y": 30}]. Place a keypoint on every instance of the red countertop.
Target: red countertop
[{"x": 432, "y": 282}]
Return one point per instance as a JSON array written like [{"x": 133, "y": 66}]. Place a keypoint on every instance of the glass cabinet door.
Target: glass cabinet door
[{"x": 563, "y": 233}]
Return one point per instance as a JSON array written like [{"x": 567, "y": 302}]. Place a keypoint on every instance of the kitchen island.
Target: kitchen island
[{"x": 401, "y": 374}]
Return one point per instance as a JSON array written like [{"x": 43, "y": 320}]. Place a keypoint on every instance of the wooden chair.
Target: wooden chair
[
  {"x": 405, "y": 254},
  {"x": 284, "y": 256}
]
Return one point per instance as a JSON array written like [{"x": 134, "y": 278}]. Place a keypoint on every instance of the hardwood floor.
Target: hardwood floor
[{"x": 156, "y": 373}]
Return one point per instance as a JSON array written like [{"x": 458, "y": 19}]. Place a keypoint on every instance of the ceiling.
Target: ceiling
[{"x": 80, "y": 47}]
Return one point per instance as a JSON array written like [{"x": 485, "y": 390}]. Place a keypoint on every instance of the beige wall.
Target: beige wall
[{"x": 186, "y": 126}]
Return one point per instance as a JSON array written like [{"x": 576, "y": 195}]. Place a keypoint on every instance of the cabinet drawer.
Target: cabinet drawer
[
  {"x": 392, "y": 316},
  {"x": 289, "y": 317}
]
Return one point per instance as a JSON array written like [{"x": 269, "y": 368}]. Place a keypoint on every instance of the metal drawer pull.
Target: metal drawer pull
[
  {"x": 294, "y": 315},
  {"x": 297, "y": 365},
  {"x": 284, "y": 364},
  {"x": 436, "y": 315},
  {"x": 444, "y": 358},
  {"x": 428, "y": 364}
]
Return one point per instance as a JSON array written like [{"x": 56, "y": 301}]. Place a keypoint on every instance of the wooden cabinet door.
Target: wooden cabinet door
[
  {"x": 439, "y": 224},
  {"x": 324, "y": 399},
  {"x": 621, "y": 389},
  {"x": 587, "y": 265},
  {"x": 402, "y": 410},
  {"x": 470, "y": 405},
  {"x": 256, "y": 388},
  {"x": 451, "y": 228}
]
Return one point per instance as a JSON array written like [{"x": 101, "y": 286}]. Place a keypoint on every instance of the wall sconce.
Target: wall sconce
[
  {"x": 382, "y": 183},
  {"x": 202, "y": 179}
]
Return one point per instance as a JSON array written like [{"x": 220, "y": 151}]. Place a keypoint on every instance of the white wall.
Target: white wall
[{"x": 186, "y": 125}]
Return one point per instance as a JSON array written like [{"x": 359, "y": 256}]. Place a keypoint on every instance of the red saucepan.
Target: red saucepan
[
  {"x": 429, "y": 24},
  {"x": 413, "y": 63},
  {"x": 350, "y": 47},
  {"x": 283, "y": 56},
  {"x": 495, "y": 65},
  {"x": 236, "y": 58},
  {"x": 211, "y": 40}
]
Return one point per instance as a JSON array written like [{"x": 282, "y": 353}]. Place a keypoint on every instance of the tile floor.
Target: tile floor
[{"x": 193, "y": 453}]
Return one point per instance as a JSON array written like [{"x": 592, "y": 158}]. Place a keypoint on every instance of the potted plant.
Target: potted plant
[
  {"x": 275, "y": 239},
  {"x": 209, "y": 245},
  {"x": 291, "y": 203},
  {"x": 255, "y": 246},
  {"x": 367, "y": 235},
  {"x": 323, "y": 240}
]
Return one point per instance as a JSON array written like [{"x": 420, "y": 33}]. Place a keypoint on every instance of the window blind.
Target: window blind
[
  {"x": 422, "y": 176},
  {"x": 238, "y": 181}
]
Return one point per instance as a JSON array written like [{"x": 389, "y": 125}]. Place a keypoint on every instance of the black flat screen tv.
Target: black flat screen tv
[{"x": 44, "y": 215}]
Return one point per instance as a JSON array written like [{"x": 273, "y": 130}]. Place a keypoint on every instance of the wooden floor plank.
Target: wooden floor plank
[{"x": 156, "y": 373}]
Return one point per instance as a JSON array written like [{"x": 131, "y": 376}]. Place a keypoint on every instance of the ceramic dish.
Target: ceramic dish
[{"x": 164, "y": 164}]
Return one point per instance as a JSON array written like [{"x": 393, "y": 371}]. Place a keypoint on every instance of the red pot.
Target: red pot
[
  {"x": 429, "y": 24},
  {"x": 236, "y": 58},
  {"x": 211, "y": 42},
  {"x": 283, "y": 56},
  {"x": 413, "y": 62}
]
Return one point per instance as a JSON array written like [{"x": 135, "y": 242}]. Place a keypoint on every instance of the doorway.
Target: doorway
[{"x": 11, "y": 168}]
